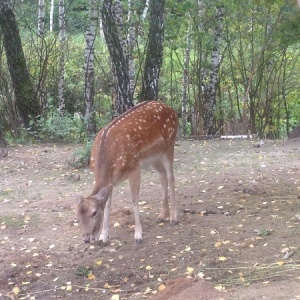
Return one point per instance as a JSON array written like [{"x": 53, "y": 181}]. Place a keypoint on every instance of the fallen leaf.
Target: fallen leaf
[
  {"x": 149, "y": 268},
  {"x": 218, "y": 244},
  {"x": 161, "y": 287},
  {"x": 219, "y": 288},
  {"x": 280, "y": 263},
  {"x": 115, "y": 297},
  {"x": 16, "y": 290},
  {"x": 99, "y": 262},
  {"x": 222, "y": 258},
  {"x": 91, "y": 276}
]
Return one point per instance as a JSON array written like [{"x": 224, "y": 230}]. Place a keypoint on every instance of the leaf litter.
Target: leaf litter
[{"x": 254, "y": 219}]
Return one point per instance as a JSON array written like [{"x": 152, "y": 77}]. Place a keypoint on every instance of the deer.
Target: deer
[{"x": 143, "y": 135}]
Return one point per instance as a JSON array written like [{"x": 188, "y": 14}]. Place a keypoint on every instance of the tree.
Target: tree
[
  {"x": 25, "y": 96},
  {"x": 89, "y": 86},
  {"x": 210, "y": 89},
  {"x": 62, "y": 40},
  {"x": 119, "y": 59},
  {"x": 154, "y": 52}
]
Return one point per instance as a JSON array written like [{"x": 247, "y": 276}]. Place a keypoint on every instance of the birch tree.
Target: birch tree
[
  {"x": 185, "y": 82},
  {"x": 25, "y": 96},
  {"x": 154, "y": 52},
  {"x": 62, "y": 39},
  {"x": 209, "y": 90},
  {"x": 41, "y": 17},
  {"x": 131, "y": 43},
  {"x": 112, "y": 21},
  {"x": 89, "y": 66},
  {"x": 51, "y": 15}
]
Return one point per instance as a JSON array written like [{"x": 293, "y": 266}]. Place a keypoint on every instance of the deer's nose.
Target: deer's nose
[{"x": 86, "y": 238}]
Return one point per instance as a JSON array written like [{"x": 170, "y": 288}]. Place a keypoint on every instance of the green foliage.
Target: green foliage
[
  {"x": 54, "y": 127},
  {"x": 81, "y": 157}
]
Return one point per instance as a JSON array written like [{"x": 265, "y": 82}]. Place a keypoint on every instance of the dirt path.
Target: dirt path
[{"x": 238, "y": 236}]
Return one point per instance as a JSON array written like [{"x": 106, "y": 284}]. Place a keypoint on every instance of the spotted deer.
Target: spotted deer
[{"x": 144, "y": 135}]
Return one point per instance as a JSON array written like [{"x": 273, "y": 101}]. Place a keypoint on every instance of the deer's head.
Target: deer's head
[{"x": 90, "y": 212}]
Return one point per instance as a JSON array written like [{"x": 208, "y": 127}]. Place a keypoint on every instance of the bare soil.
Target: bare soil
[{"x": 238, "y": 237}]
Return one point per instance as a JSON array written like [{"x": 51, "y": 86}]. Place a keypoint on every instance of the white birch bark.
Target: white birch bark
[
  {"x": 41, "y": 17},
  {"x": 146, "y": 8},
  {"x": 89, "y": 86},
  {"x": 185, "y": 83},
  {"x": 62, "y": 39},
  {"x": 209, "y": 102},
  {"x": 51, "y": 15},
  {"x": 130, "y": 43}
]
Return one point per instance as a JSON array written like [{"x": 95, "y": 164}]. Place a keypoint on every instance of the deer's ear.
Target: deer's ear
[
  {"x": 79, "y": 199},
  {"x": 103, "y": 194}
]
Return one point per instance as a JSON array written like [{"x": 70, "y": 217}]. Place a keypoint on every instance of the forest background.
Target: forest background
[{"x": 227, "y": 67}]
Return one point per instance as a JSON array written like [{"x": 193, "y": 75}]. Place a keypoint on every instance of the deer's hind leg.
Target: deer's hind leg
[
  {"x": 164, "y": 213},
  {"x": 135, "y": 181}
]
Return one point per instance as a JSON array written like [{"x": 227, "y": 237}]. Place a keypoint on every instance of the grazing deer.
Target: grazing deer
[{"x": 143, "y": 135}]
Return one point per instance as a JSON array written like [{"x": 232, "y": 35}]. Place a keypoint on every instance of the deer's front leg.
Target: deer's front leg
[
  {"x": 135, "y": 181},
  {"x": 105, "y": 224}
]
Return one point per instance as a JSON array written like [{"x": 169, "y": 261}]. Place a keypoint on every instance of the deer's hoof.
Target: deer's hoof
[
  {"x": 173, "y": 223},
  {"x": 161, "y": 220},
  {"x": 138, "y": 242}
]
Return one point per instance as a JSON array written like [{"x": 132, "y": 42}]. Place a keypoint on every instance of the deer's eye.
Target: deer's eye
[{"x": 94, "y": 214}]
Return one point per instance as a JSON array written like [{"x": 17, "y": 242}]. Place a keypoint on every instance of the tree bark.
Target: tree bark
[
  {"x": 62, "y": 39},
  {"x": 119, "y": 59},
  {"x": 51, "y": 15},
  {"x": 154, "y": 52},
  {"x": 41, "y": 17},
  {"x": 185, "y": 83},
  {"x": 210, "y": 90},
  {"x": 89, "y": 66},
  {"x": 25, "y": 96}
]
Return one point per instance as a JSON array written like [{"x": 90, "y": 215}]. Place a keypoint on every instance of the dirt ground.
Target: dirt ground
[{"x": 238, "y": 237}]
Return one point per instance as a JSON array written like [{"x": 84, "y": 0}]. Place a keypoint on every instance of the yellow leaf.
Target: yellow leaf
[
  {"x": 222, "y": 258},
  {"x": 91, "y": 276},
  {"x": 149, "y": 268},
  {"x": 16, "y": 290},
  {"x": 115, "y": 297},
  {"x": 25, "y": 282},
  {"x": 190, "y": 270},
  {"x": 161, "y": 287},
  {"x": 188, "y": 249},
  {"x": 99, "y": 262},
  {"x": 107, "y": 286},
  {"x": 219, "y": 288},
  {"x": 280, "y": 263},
  {"x": 220, "y": 187},
  {"x": 218, "y": 244},
  {"x": 69, "y": 288}
]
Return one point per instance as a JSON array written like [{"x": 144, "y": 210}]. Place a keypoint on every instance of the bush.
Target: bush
[
  {"x": 57, "y": 128},
  {"x": 81, "y": 157}
]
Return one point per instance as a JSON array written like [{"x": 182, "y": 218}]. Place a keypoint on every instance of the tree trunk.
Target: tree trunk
[
  {"x": 154, "y": 52},
  {"x": 89, "y": 87},
  {"x": 41, "y": 17},
  {"x": 62, "y": 39},
  {"x": 26, "y": 100},
  {"x": 119, "y": 59},
  {"x": 210, "y": 89},
  {"x": 51, "y": 15},
  {"x": 185, "y": 83},
  {"x": 130, "y": 43}
]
